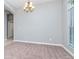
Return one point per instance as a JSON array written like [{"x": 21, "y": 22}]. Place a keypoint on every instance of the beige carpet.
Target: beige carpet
[{"x": 19, "y": 50}]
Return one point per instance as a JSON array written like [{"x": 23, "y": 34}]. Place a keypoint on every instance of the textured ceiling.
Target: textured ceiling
[{"x": 16, "y": 4}]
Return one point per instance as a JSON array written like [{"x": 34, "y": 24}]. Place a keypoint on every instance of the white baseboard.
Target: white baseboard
[
  {"x": 39, "y": 43},
  {"x": 47, "y": 44},
  {"x": 68, "y": 51}
]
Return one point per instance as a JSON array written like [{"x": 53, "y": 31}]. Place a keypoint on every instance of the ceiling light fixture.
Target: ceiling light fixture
[{"x": 29, "y": 6}]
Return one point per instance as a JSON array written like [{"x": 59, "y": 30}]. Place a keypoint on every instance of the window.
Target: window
[
  {"x": 71, "y": 22},
  {"x": 71, "y": 27}
]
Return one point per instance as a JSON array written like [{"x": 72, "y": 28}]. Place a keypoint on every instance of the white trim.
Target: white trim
[
  {"x": 38, "y": 43},
  {"x": 47, "y": 44},
  {"x": 68, "y": 51}
]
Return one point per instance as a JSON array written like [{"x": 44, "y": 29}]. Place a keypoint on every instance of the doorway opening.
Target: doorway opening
[{"x": 8, "y": 25}]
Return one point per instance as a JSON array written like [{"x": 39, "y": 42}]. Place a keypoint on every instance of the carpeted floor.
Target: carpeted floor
[{"x": 19, "y": 50}]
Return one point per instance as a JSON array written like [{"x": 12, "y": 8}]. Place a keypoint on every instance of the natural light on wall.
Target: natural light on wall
[{"x": 29, "y": 7}]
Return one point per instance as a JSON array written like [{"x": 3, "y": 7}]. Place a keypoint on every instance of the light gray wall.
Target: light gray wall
[
  {"x": 42, "y": 25},
  {"x": 5, "y": 25}
]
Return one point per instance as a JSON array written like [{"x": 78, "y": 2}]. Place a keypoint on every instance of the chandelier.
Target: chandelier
[{"x": 28, "y": 6}]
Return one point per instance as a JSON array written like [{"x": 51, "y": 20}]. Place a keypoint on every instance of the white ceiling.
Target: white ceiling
[{"x": 16, "y": 4}]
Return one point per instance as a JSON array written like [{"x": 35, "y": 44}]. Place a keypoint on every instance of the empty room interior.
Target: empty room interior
[{"x": 39, "y": 29}]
